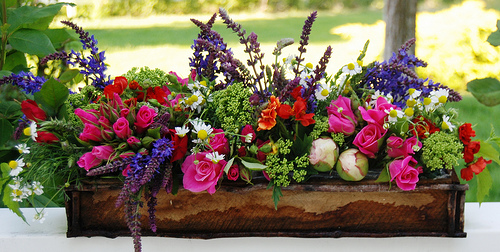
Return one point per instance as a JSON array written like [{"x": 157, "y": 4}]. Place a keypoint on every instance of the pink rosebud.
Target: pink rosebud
[
  {"x": 88, "y": 161},
  {"x": 323, "y": 154},
  {"x": 104, "y": 123},
  {"x": 369, "y": 139},
  {"x": 103, "y": 151},
  {"x": 87, "y": 116},
  {"x": 396, "y": 147},
  {"x": 248, "y": 129},
  {"x": 134, "y": 142},
  {"x": 200, "y": 173},
  {"x": 144, "y": 118},
  {"x": 242, "y": 151},
  {"x": 233, "y": 173},
  {"x": 127, "y": 154},
  {"x": 121, "y": 128},
  {"x": 124, "y": 112},
  {"x": 219, "y": 142},
  {"x": 341, "y": 118},
  {"x": 352, "y": 165},
  {"x": 246, "y": 175},
  {"x": 91, "y": 133},
  {"x": 403, "y": 171}
]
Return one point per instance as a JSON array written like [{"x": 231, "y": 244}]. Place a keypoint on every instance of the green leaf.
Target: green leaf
[
  {"x": 494, "y": 38},
  {"x": 10, "y": 109},
  {"x": 32, "y": 17},
  {"x": 60, "y": 37},
  {"x": 277, "y": 194},
  {"x": 7, "y": 130},
  {"x": 487, "y": 151},
  {"x": 7, "y": 191},
  {"x": 252, "y": 164},
  {"x": 4, "y": 73},
  {"x": 52, "y": 96},
  {"x": 68, "y": 75},
  {"x": 384, "y": 175},
  {"x": 228, "y": 165},
  {"x": 484, "y": 184},
  {"x": 32, "y": 42},
  {"x": 486, "y": 91},
  {"x": 154, "y": 133},
  {"x": 14, "y": 60}
]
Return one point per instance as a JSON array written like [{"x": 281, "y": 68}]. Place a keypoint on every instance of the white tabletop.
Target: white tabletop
[{"x": 482, "y": 224}]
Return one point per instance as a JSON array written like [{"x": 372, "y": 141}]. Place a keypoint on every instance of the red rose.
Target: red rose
[
  {"x": 233, "y": 173},
  {"x": 180, "y": 146},
  {"x": 32, "y": 111}
]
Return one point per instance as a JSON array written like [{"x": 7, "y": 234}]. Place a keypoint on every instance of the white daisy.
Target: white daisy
[
  {"x": 215, "y": 157},
  {"x": 248, "y": 138},
  {"x": 446, "y": 123},
  {"x": 201, "y": 129},
  {"x": 37, "y": 188},
  {"x": 16, "y": 166},
  {"x": 195, "y": 100},
  {"x": 394, "y": 114},
  {"x": 322, "y": 91},
  {"x": 439, "y": 96},
  {"x": 40, "y": 217},
  {"x": 23, "y": 148},
  {"x": 414, "y": 94},
  {"x": 181, "y": 131},
  {"x": 352, "y": 68},
  {"x": 33, "y": 133}
]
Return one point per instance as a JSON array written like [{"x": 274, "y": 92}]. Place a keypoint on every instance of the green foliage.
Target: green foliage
[
  {"x": 484, "y": 184},
  {"x": 6, "y": 191},
  {"x": 147, "y": 77},
  {"x": 494, "y": 38},
  {"x": 52, "y": 97},
  {"x": 486, "y": 91}
]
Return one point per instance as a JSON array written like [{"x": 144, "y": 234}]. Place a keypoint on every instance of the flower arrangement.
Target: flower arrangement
[{"x": 232, "y": 121}]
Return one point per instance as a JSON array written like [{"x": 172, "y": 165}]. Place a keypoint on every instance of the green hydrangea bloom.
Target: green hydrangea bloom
[
  {"x": 231, "y": 109},
  {"x": 280, "y": 168},
  {"x": 441, "y": 150},
  {"x": 147, "y": 77},
  {"x": 321, "y": 126}
]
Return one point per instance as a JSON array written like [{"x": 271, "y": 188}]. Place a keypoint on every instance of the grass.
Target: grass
[{"x": 164, "y": 43}]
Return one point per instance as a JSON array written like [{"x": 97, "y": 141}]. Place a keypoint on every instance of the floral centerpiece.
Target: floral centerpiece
[{"x": 233, "y": 120}]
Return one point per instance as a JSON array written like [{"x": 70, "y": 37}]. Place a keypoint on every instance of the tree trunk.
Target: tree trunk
[{"x": 400, "y": 17}]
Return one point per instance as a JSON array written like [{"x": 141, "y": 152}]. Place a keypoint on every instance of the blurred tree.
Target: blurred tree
[{"x": 400, "y": 17}]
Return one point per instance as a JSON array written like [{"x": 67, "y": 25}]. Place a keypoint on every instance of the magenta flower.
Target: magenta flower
[
  {"x": 233, "y": 173},
  {"x": 133, "y": 142},
  {"x": 341, "y": 118},
  {"x": 248, "y": 129},
  {"x": 369, "y": 139},
  {"x": 403, "y": 171},
  {"x": 121, "y": 128},
  {"x": 144, "y": 118},
  {"x": 87, "y": 116},
  {"x": 103, "y": 151},
  {"x": 397, "y": 147},
  {"x": 378, "y": 114},
  {"x": 91, "y": 133},
  {"x": 203, "y": 174},
  {"x": 88, "y": 161},
  {"x": 219, "y": 142}
]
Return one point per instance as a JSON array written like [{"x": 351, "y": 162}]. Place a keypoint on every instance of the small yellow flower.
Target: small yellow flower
[
  {"x": 202, "y": 134},
  {"x": 411, "y": 103},
  {"x": 427, "y": 101},
  {"x": 409, "y": 112},
  {"x": 13, "y": 164},
  {"x": 27, "y": 131},
  {"x": 309, "y": 65}
]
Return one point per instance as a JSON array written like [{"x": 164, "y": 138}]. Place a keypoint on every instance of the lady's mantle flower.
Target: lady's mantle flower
[
  {"x": 446, "y": 123},
  {"x": 16, "y": 166},
  {"x": 215, "y": 157},
  {"x": 322, "y": 91},
  {"x": 23, "y": 148},
  {"x": 181, "y": 131},
  {"x": 352, "y": 68}
]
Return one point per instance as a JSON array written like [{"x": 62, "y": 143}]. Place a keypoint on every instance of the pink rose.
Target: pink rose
[
  {"x": 87, "y": 116},
  {"x": 104, "y": 123},
  {"x": 341, "y": 117},
  {"x": 396, "y": 147},
  {"x": 219, "y": 142},
  {"x": 144, "y": 118},
  {"x": 133, "y": 142},
  {"x": 404, "y": 173},
  {"x": 233, "y": 173},
  {"x": 369, "y": 139},
  {"x": 379, "y": 113},
  {"x": 91, "y": 133},
  {"x": 248, "y": 129},
  {"x": 121, "y": 128},
  {"x": 203, "y": 174},
  {"x": 88, "y": 161},
  {"x": 102, "y": 151},
  {"x": 124, "y": 112}
]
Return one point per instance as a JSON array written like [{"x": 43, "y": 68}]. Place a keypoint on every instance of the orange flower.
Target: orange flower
[{"x": 267, "y": 118}]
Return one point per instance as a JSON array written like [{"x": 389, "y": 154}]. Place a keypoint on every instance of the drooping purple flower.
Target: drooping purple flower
[{"x": 27, "y": 81}]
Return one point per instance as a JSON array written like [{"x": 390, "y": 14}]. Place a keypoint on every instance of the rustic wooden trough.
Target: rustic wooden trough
[{"x": 323, "y": 207}]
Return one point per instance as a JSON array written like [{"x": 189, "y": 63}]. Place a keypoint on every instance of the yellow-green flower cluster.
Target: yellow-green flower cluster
[
  {"x": 147, "y": 77},
  {"x": 320, "y": 126},
  {"x": 280, "y": 168},
  {"x": 232, "y": 108},
  {"x": 441, "y": 150}
]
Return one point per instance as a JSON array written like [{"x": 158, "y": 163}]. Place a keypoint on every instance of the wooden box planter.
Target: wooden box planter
[{"x": 323, "y": 207}]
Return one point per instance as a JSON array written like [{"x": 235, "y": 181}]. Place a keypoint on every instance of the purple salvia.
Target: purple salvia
[
  {"x": 55, "y": 56},
  {"x": 133, "y": 216},
  {"x": 110, "y": 167},
  {"x": 321, "y": 67},
  {"x": 149, "y": 171},
  {"x": 167, "y": 181},
  {"x": 304, "y": 39},
  {"x": 152, "y": 202},
  {"x": 289, "y": 88}
]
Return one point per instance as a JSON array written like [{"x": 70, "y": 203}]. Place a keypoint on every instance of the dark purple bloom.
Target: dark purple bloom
[{"x": 27, "y": 81}]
